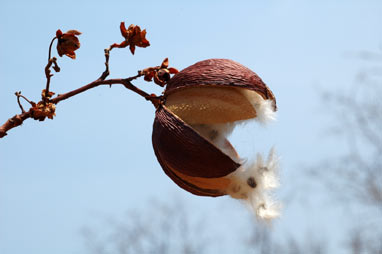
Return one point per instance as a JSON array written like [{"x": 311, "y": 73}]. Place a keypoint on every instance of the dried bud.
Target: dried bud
[
  {"x": 161, "y": 74},
  {"x": 202, "y": 105},
  {"x": 41, "y": 110},
  {"x": 45, "y": 95},
  {"x": 134, "y": 36},
  {"x": 164, "y": 74},
  {"x": 67, "y": 43}
]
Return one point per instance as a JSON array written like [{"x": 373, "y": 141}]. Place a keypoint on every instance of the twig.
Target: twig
[
  {"x": 19, "y": 119},
  {"x": 55, "y": 67},
  {"x": 18, "y": 95},
  {"x": 49, "y": 75},
  {"x": 47, "y": 102},
  {"x": 47, "y": 68},
  {"x": 50, "y": 48},
  {"x": 106, "y": 72},
  {"x": 13, "y": 122}
]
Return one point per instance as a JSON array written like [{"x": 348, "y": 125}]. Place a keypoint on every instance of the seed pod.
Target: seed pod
[
  {"x": 188, "y": 158},
  {"x": 222, "y": 73},
  {"x": 202, "y": 104}
]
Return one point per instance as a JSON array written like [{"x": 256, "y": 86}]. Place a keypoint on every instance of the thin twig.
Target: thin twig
[
  {"x": 19, "y": 119},
  {"x": 125, "y": 82},
  {"x": 106, "y": 72},
  {"x": 47, "y": 68},
  {"x": 48, "y": 75},
  {"x": 55, "y": 67},
  {"x": 18, "y": 95},
  {"x": 50, "y": 48}
]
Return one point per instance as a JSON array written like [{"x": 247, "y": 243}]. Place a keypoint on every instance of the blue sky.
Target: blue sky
[{"x": 95, "y": 158}]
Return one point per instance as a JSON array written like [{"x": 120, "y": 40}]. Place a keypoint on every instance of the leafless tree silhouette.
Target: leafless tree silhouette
[
  {"x": 166, "y": 228},
  {"x": 170, "y": 228},
  {"x": 355, "y": 177}
]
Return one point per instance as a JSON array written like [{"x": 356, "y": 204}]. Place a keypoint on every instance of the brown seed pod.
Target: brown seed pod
[
  {"x": 202, "y": 104},
  {"x": 187, "y": 158},
  {"x": 175, "y": 141},
  {"x": 221, "y": 73}
]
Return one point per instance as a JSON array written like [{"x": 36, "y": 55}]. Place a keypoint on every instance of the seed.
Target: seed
[
  {"x": 213, "y": 134},
  {"x": 251, "y": 182}
]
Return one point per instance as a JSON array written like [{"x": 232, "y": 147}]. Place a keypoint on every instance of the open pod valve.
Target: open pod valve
[{"x": 201, "y": 106}]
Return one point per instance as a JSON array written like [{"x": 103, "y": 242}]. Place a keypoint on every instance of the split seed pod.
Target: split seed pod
[{"x": 202, "y": 104}]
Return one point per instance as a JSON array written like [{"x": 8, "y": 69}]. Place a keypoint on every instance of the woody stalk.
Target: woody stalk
[{"x": 67, "y": 44}]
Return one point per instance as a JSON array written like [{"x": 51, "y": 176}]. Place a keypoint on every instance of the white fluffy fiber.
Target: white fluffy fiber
[
  {"x": 261, "y": 174},
  {"x": 217, "y": 134},
  {"x": 258, "y": 197},
  {"x": 263, "y": 108}
]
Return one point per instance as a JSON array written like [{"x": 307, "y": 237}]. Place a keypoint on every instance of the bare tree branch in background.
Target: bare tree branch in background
[
  {"x": 169, "y": 228},
  {"x": 166, "y": 228},
  {"x": 262, "y": 241},
  {"x": 356, "y": 176}
]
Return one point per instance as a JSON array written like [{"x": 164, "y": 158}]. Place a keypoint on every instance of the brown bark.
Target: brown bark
[{"x": 17, "y": 120}]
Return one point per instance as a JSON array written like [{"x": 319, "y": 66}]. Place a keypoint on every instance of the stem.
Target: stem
[
  {"x": 126, "y": 82},
  {"x": 19, "y": 119},
  {"x": 48, "y": 75},
  {"x": 50, "y": 47},
  {"x": 47, "y": 67},
  {"x": 106, "y": 72},
  {"x": 18, "y": 95},
  {"x": 13, "y": 122}
]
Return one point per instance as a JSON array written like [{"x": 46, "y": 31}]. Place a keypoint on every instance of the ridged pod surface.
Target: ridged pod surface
[
  {"x": 219, "y": 72},
  {"x": 185, "y": 150}
]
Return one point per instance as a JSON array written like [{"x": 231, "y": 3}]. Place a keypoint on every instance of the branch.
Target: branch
[
  {"x": 51, "y": 61},
  {"x": 125, "y": 82},
  {"x": 67, "y": 44},
  {"x": 17, "y": 120},
  {"x": 13, "y": 122},
  {"x": 18, "y": 95},
  {"x": 106, "y": 72}
]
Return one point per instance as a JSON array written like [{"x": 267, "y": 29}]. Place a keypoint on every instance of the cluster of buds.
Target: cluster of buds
[{"x": 44, "y": 108}]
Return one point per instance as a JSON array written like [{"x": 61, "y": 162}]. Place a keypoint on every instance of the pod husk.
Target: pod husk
[
  {"x": 219, "y": 72},
  {"x": 210, "y": 105},
  {"x": 178, "y": 146},
  {"x": 190, "y": 160},
  {"x": 188, "y": 186}
]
